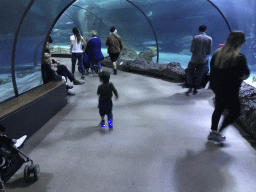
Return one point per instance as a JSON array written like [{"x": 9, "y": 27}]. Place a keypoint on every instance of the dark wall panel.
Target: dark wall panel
[{"x": 31, "y": 118}]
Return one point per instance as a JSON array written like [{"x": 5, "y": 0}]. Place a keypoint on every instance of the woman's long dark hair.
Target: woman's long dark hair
[
  {"x": 77, "y": 34},
  {"x": 229, "y": 52}
]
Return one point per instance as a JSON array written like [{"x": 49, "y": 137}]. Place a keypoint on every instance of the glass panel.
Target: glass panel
[
  {"x": 175, "y": 30},
  {"x": 175, "y": 23},
  {"x": 241, "y": 16},
  {"x": 100, "y": 16},
  {"x": 36, "y": 25},
  {"x": 61, "y": 33},
  {"x": 11, "y": 13}
]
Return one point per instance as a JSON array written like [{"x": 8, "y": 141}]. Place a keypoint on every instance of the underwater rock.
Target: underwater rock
[
  {"x": 4, "y": 81},
  {"x": 247, "y": 119},
  {"x": 127, "y": 56},
  {"x": 148, "y": 55},
  {"x": 177, "y": 72},
  {"x": 172, "y": 71},
  {"x": 108, "y": 63},
  {"x": 128, "y": 53}
]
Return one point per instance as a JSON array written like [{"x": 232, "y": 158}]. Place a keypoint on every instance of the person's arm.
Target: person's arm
[
  {"x": 107, "y": 41},
  {"x": 71, "y": 47},
  {"x": 122, "y": 45},
  {"x": 98, "y": 91},
  {"x": 192, "y": 48},
  {"x": 72, "y": 39},
  {"x": 114, "y": 90},
  {"x": 84, "y": 42},
  {"x": 244, "y": 71},
  {"x": 209, "y": 50}
]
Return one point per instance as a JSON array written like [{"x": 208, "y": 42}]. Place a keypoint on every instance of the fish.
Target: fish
[
  {"x": 149, "y": 13},
  {"x": 151, "y": 42},
  {"x": 68, "y": 23},
  {"x": 54, "y": 30},
  {"x": 154, "y": 47}
]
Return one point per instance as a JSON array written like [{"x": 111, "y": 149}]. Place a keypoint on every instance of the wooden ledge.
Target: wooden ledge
[{"x": 19, "y": 102}]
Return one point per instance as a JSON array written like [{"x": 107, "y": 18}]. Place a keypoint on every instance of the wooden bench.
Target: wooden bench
[{"x": 23, "y": 100}]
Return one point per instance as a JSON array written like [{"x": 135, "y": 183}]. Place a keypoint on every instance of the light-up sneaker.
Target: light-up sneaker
[
  {"x": 110, "y": 124},
  {"x": 102, "y": 124},
  {"x": 216, "y": 136}
]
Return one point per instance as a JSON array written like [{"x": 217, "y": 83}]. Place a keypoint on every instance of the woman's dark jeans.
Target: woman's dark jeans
[
  {"x": 231, "y": 103},
  {"x": 74, "y": 57},
  {"x": 63, "y": 71},
  {"x": 195, "y": 69}
]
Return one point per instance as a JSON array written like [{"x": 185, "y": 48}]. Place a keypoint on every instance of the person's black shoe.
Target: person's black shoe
[
  {"x": 189, "y": 91},
  {"x": 77, "y": 82},
  {"x": 69, "y": 87},
  {"x": 194, "y": 92}
]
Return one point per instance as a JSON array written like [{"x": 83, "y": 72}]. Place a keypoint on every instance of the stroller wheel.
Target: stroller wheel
[
  {"x": 36, "y": 171},
  {"x": 26, "y": 174},
  {"x": 96, "y": 69}
]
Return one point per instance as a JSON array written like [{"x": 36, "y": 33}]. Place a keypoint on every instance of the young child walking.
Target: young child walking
[{"x": 105, "y": 92}]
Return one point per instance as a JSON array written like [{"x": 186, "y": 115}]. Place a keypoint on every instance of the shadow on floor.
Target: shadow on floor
[
  {"x": 17, "y": 185},
  {"x": 75, "y": 134},
  {"x": 206, "y": 171}
]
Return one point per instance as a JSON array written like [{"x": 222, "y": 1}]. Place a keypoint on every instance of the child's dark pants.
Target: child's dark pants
[{"x": 105, "y": 108}]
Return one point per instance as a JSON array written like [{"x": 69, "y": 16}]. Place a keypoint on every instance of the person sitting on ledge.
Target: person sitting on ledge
[{"x": 61, "y": 70}]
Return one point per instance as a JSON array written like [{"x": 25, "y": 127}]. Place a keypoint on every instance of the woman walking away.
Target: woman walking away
[
  {"x": 94, "y": 51},
  {"x": 76, "y": 50},
  {"x": 228, "y": 70},
  {"x": 115, "y": 46}
]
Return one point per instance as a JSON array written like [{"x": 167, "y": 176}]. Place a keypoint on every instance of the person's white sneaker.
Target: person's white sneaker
[{"x": 20, "y": 141}]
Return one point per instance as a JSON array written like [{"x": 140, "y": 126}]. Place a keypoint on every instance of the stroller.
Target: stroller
[
  {"x": 87, "y": 64},
  {"x": 12, "y": 159}
]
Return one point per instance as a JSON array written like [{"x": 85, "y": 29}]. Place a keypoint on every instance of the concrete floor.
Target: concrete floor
[{"x": 159, "y": 144}]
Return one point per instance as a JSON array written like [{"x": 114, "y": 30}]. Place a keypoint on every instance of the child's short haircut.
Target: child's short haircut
[{"x": 104, "y": 76}]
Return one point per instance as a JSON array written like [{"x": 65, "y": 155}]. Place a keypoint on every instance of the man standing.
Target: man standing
[
  {"x": 115, "y": 46},
  {"x": 201, "y": 47}
]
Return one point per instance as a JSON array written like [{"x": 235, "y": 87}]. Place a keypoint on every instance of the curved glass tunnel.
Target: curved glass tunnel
[{"x": 25, "y": 26}]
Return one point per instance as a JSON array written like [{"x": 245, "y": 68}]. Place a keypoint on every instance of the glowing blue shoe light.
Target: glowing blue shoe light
[
  {"x": 110, "y": 124},
  {"x": 102, "y": 124}
]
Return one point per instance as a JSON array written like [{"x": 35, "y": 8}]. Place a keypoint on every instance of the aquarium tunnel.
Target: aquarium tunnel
[{"x": 164, "y": 25}]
